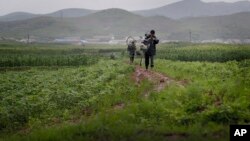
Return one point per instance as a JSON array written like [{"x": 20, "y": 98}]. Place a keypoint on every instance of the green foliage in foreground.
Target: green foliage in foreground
[
  {"x": 101, "y": 102},
  {"x": 215, "y": 92},
  {"x": 213, "y": 96},
  {"x": 41, "y": 96},
  {"x": 203, "y": 52}
]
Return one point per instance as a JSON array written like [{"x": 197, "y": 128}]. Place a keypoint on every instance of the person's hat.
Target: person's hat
[{"x": 152, "y": 31}]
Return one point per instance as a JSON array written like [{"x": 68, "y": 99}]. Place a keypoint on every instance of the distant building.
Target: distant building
[
  {"x": 103, "y": 38},
  {"x": 169, "y": 41},
  {"x": 114, "y": 42},
  {"x": 233, "y": 41},
  {"x": 246, "y": 41},
  {"x": 213, "y": 41},
  {"x": 27, "y": 40},
  {"x": 68, "y": 40}
]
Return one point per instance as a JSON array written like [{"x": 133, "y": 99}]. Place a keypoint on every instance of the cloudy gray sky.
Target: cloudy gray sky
[{"x": 47, "y": 6}]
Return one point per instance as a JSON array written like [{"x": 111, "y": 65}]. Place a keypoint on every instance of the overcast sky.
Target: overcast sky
[{"x": 47, "y": 6}]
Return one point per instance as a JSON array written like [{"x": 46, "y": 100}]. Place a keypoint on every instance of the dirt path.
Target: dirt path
[{"x": 159, "y": 80}]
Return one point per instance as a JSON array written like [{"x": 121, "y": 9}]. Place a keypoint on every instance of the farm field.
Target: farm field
[{"x": 65, "y": 92}]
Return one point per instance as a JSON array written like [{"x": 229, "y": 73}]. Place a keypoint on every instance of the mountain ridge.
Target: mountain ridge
[
  {"x": 176, "y": 10},
  {"x": 122, "y": 23},
  {"x": 197, "y": 8},
  {"x": 69, "y": 12}
]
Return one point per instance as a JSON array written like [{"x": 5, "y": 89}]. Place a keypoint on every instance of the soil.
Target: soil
[{"x": 159, "y": 80}]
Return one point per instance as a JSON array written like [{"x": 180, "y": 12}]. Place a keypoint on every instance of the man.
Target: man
[
  {"x": 131, "y": 50},
  {"x": 150, "y": 41}
]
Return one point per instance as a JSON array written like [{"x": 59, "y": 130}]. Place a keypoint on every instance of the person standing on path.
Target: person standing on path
[
  {"x": 131, "y": 50},
  {"x": 150, "y": 41}
]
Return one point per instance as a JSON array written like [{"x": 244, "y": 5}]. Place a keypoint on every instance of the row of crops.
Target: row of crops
[
  {"x": 94, "y": 97},
  {"x": 213, "y": 96},
  {"x": 45, "y": 60},
  {"x": 203, "y": 52},
  {"x": 40, "y": 96},
  {"x": 47, "y": 55}
]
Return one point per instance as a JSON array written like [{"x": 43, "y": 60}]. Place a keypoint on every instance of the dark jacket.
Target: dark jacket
[
  {"x": 131, "y": 49},
  {"x": 151, "y": 45}
]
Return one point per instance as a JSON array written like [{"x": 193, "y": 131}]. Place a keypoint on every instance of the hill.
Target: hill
[
  {"x": 17, "y": 16},
  {"x": 65, "y": 13},
  {"x": 111, "y": 21},
  {"x": 177, "y": 10},
  {"x": 197, "y": 8},
  {"x": 233, "y": 26},
  {"x": 122, "y": 23},
  {"x": 72, "y": 12}
]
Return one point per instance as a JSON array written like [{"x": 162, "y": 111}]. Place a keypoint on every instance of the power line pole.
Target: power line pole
[
  {"x": 61, "y": 15},
  {"x": 190, "y": 36},
  {"x": 28, "y": 38}
]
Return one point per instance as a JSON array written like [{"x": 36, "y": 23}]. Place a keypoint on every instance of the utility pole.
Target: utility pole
[
  {"x": 190, "y": 36},
  {"x": 61, "y": 15},
  {"x": 28, "y": 38}
]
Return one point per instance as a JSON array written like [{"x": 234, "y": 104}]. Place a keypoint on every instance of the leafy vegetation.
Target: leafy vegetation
[
  {"x": 100, "y": 101},
  {"x": 204, "y": 52},
  {"x": 21, "y": 55},
  {"x": 44, "y": 95}
]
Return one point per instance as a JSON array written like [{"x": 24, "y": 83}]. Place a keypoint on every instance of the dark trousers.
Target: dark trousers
[
  {"x": 149, "y": 58},
  {"x": 132, "y": 59}
]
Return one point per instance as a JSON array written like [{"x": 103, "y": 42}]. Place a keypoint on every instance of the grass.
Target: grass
[
  {"x": 218, "y": 92},
  {"x": 46, "y": 94},
  {"x": 101, "y": 102},
  {"x": 23, "y": 55},
  {"x": 203, "y": 52}
]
